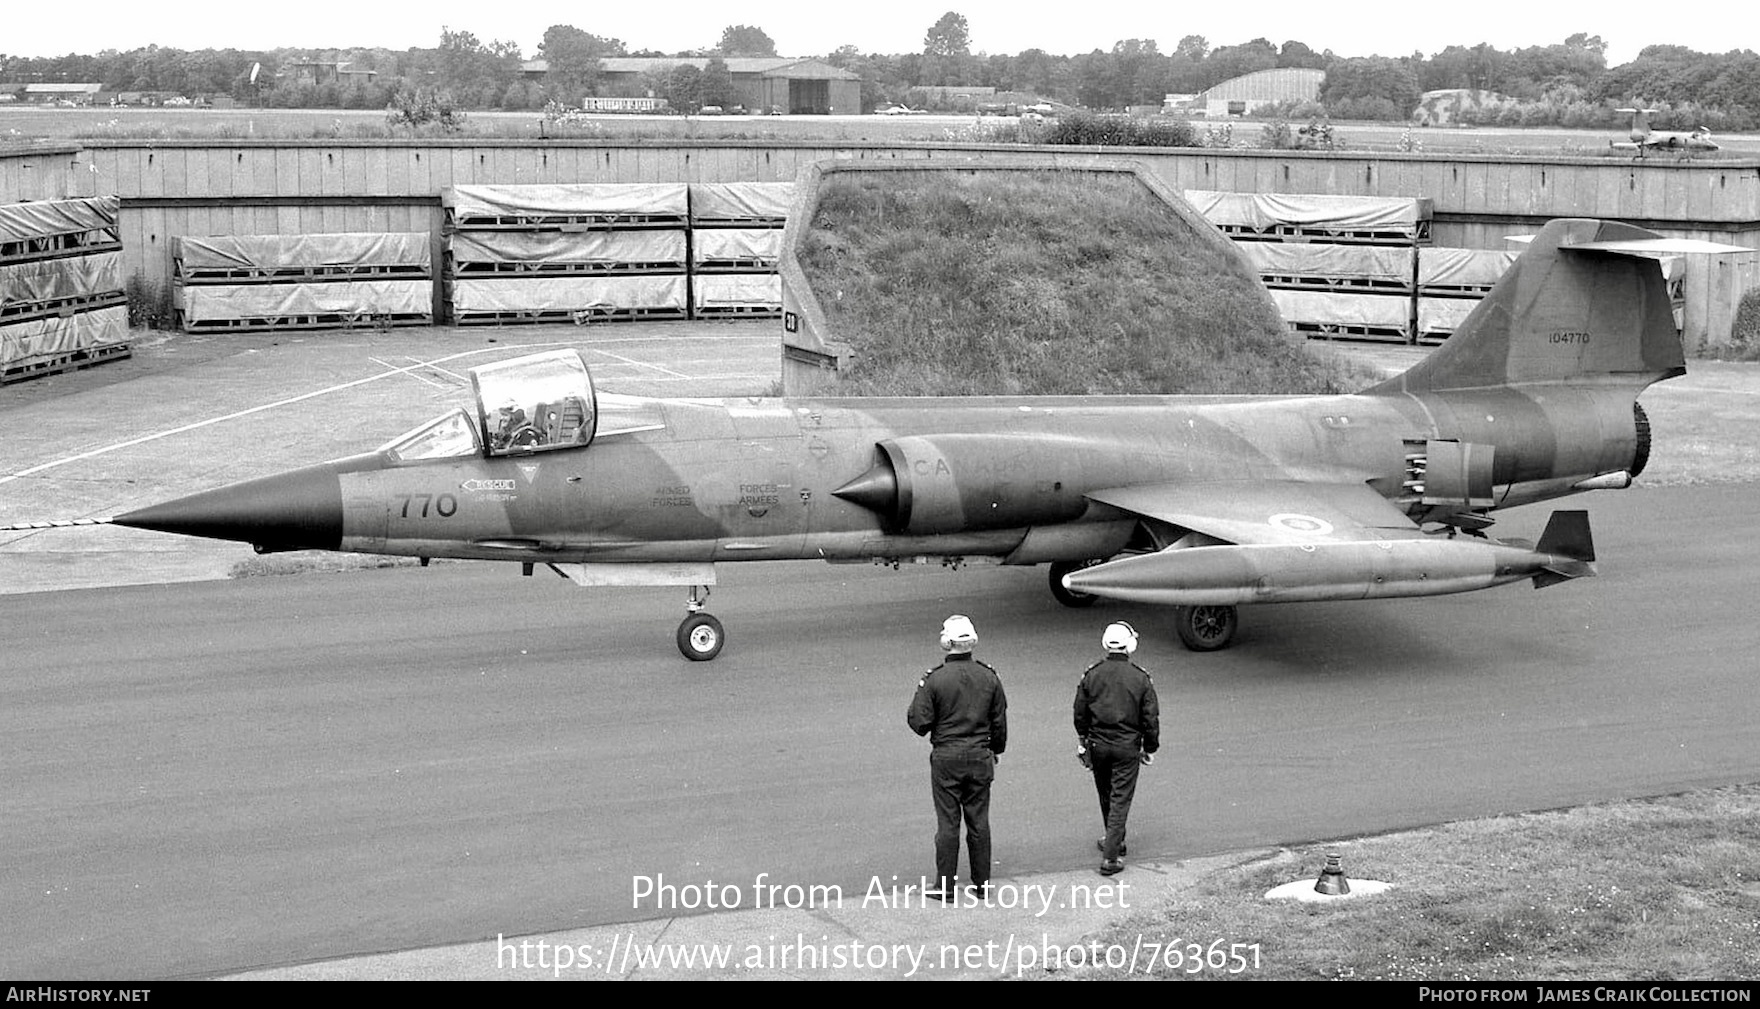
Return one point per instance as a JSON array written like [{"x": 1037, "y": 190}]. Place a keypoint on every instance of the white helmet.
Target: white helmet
[
  {"x": 1119, "y": 637},
  {"x": 958, "y": 634}
]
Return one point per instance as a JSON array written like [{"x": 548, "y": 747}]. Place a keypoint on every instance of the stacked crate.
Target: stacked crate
[
  {"x": 736, "y": 243},
  {"x": 560, "y": 253},
  {"x": 62, "y": 303},
  {"x": 1337, "y": 266},
  {"x": 239, "y": 283},
  {"x": 1451, "y": 283}
]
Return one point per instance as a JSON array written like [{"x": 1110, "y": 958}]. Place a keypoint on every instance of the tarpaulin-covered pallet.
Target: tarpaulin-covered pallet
[
  {"x": 736, "y": 250},
  {"x": 60, "y": 286},
  {"x": 1354, "y": 316},
  {"x": 1451, "y": 283},
  {"x": 267, "y": 259},
  {"x": 1461, "y": 272},
  {"x": 740, "y": 204},
  {"x": 736, "y": 295},
  {"x": 52, "y": 229},
  {"x": 334, "y": 305},
  {"x": 62, "y": 303},
  {"x": 320, "y": 281},
  {"x": 736, "y": 243},
  {"x": 60, "y": 343},
  {"x": 567, "y": 299},
  {"x": 567, "y": 252},
  {"x": 583, "y": 207},
  {"x": 491, "y": 253},
  {"x": 1318, "y": 266},
  {"x": 1282, "y": 217}
]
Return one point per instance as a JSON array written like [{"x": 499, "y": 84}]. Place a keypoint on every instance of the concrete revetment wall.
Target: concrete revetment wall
[{"x": 238, "y": 187}]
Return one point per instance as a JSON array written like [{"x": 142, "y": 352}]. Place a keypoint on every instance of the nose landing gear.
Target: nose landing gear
[
  {"x": 1205, "y": 628},
  {"x": 700, "y": 635}
]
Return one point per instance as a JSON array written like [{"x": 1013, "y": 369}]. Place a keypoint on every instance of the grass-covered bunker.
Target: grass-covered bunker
[{"x": 930, "y": 278}]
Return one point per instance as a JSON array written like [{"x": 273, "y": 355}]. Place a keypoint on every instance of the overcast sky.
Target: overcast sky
[{"x": 1368, "y": 28}]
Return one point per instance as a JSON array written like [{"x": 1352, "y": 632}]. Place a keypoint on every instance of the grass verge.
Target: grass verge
[{"x": 1664, "y": 889}]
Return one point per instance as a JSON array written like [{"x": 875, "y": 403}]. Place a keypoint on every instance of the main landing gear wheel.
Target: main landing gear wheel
[
  {"x": 1205, "y": 628},
  {"x": 700, "y": 637},
  {"x": 1070, "y": 597}
]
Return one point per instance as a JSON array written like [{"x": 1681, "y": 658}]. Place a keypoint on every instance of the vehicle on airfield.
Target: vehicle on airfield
[
  {"x": 1202, "y": 503},
  {"x": 1643, "y": 138}
]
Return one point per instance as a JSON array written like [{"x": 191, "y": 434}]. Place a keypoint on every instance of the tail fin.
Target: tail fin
[
  {"x": 1582, "y": 303},
  {"x": 1571, "y": 547}
]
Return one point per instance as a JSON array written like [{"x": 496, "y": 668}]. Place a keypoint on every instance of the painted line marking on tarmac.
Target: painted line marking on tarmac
[
  {"x": 455, "y": 376},
  {"x": 410, "y": 371},
  {"x": 638, "y": 364},
  {"x": 393, "y": 372}
]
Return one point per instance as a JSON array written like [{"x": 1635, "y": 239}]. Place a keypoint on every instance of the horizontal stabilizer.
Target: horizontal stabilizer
[{"x": 1649, "y": 247}]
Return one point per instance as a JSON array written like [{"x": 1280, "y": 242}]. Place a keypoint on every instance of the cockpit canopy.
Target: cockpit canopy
[{"x": 538, "y": 403}]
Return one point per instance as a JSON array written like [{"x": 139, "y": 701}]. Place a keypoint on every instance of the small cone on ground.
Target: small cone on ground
[{"x": 1332, "y": 881}]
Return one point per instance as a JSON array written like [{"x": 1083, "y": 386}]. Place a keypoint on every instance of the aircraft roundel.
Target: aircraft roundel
[{"x": 1297, "y": 523}]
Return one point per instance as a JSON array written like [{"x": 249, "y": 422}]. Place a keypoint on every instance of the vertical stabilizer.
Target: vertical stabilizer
[{"x": 1586, "y": 302}]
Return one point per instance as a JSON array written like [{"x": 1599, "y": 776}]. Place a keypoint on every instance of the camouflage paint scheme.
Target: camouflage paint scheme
[{"x": 1198, "y": 502}]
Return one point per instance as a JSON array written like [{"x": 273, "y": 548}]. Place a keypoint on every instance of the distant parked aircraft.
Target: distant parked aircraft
[{"x": 1646, "y": 139}]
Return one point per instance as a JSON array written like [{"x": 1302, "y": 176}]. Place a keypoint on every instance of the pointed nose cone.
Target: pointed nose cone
[{"x": 297, "y": 510}]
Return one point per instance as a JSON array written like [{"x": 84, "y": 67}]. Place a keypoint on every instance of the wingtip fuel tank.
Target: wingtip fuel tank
[{"x": 1233, "y": 574}]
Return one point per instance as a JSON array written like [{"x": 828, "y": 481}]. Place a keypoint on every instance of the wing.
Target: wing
[{"x": 1267, "y": 512}]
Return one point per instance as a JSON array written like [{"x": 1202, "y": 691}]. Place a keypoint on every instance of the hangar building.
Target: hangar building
[
  {"x": 796, "y": 87},
  {"x": 1241, "y": 95}
]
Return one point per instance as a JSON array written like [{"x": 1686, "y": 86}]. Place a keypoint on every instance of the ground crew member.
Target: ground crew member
[
  {"x": 961, "y": 707},
  {"x": 1118, "y": 729}
]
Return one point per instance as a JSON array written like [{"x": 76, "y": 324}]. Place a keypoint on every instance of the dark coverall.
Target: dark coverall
[
  {"x": 960, "y": 705},
  {"x": 1118, "y": 718}
]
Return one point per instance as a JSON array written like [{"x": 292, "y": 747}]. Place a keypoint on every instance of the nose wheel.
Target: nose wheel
[
  {"x": 1205, "y": 628},
  {"x": 1066, "y": 596},
  {"x": 700, "y": 635}
]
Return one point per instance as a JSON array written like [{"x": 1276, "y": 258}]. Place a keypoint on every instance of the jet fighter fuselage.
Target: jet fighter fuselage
[{"x": 1201, "y": 503}]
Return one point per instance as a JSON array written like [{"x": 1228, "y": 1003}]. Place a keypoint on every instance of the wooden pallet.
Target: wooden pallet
[
  {"x": 604, "y": 221},
  {"x": 1341, "y": 331},
  {"x": 738, "y": 312},
  {"x": 753, "y": 223},
  {"x": 295, "y": 274},
  {"x": 23, "y": 311},
  {"x": 558, "y": 269},
  {"x": 1474, "y": 291},
  {"x": 1312, "y": 282},
  {"x": 737, "y": 266},
  {"x": 1419, "y": 235},
  {"x": 579, "y": 316},
  {"x": 65, "y": 362},
  {"x": 65, "y": 245},
  {"x": 334, "y": 320}
]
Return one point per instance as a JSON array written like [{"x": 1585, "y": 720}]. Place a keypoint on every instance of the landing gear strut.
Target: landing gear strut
[
  {"x": 1070, "y": 597},
  {"x": 1205, "y": 628},
  {"x": 700, "y": 636}
]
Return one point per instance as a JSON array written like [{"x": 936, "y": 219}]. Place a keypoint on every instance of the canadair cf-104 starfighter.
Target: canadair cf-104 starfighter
[
  {"x": 1199, "y": 503},
  {"x": 1643, "y": 138}
]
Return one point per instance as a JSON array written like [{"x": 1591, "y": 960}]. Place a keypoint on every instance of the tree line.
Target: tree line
[{"x": 1568, "y": 83}]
